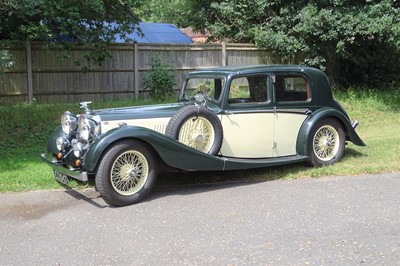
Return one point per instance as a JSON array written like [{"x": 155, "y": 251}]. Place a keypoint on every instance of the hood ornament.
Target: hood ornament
[{"x": 85, "y": 107}]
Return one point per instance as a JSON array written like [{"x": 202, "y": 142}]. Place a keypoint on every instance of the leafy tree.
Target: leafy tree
[
  {"x": 63, "y": 23},
  {"x": 5, "y": 59},
  {"x": 176, "y": 12},
  {"x": 357, "y": 42}
]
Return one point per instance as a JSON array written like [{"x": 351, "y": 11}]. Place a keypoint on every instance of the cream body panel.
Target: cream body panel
[
  {"x": 156, "y": 124},
  {"x": 247, "y": 135},
  {"x": 287, "y": 127}
]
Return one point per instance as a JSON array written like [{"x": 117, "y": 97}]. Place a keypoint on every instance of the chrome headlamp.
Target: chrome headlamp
[
  {"x": 87, "y": 128},
  {"x": 61, "y": 143},
  {"x": 69, "y": 123},
  {"x": 77, "y": 148}
]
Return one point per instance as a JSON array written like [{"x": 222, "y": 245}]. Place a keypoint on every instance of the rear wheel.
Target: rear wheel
[
  {"x": 327, "y": 142},
  {"x": 126, "y": 173}
]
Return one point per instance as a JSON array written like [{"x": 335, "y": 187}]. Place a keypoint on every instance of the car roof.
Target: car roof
[
  {"x": 229, "y": 70},
  {"x": 322, "y": 93}
]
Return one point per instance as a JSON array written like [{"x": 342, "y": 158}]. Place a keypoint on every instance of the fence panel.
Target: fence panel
[
  {"x": 62, "y": 80},
  {"x": 13, "y": 83}
]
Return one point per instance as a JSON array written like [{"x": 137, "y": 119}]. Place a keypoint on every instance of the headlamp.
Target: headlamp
[{"x": 69, "y": 123}]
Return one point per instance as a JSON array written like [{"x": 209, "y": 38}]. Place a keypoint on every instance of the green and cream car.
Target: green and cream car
[{"x": 226, "y": 118}]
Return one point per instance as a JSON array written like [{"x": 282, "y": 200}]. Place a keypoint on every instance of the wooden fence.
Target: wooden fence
[{"x": 40, "y": 75}]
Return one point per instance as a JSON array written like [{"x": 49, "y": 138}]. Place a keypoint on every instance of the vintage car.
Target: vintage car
[{"x": 226, "y": 118}]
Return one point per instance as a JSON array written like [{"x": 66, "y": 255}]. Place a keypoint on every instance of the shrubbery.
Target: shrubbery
[{"x": 160, "y": 79}]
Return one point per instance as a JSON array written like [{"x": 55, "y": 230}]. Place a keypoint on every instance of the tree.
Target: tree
[
  {"x": 5, "y": 59},
  {"x": 357, "y": 42},
  {"x": 63, "y": 23},
  {"x": 176, "y": 12}
]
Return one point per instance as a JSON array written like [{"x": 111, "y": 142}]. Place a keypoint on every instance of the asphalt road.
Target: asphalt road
[{"x": 326, "y": 221}]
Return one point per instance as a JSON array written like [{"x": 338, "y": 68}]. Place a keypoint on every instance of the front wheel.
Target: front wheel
[
  {"x": 126, "y": 173},
  {"x": 327, "y": 142}
]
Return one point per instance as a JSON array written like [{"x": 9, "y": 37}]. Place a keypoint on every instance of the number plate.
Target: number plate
[{"x": 63, "y": 179}]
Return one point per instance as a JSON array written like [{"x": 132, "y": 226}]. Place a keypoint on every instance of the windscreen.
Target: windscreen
[{"x": 211, "y": 86}]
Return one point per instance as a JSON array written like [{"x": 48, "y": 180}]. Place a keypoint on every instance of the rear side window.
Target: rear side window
[{"x": 291, "y": 89}]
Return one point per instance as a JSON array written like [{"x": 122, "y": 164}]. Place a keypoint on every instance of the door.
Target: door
[
  {"x": 248, "y": 120},
  {"x": 292, "y": 97}
]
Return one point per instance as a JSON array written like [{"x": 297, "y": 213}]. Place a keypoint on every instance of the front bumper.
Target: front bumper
[{"x": 53, "y": 163}]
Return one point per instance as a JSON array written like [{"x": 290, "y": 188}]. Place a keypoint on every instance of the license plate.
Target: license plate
[{"x": 63, "y": 179}]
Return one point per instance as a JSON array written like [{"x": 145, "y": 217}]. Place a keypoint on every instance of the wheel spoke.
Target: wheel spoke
[
  {"x": 326, "y": 143},
  {"x": 197, "y": 133},
  {"x": 129, "y": 172}
]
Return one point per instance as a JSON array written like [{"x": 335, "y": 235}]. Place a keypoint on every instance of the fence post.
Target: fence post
[
  {"x": 136, "y": 55},
  {"x": 224, "y": 54},
  {"x": 29, "y": 72}
]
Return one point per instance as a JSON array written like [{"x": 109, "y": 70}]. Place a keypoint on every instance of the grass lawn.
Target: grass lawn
[{"x": 24, "y": 129}]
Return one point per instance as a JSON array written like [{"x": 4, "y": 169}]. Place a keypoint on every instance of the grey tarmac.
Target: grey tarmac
[{"x": 350, "y": 220}]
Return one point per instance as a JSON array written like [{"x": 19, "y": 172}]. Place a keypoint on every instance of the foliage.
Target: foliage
[
  {"x": 5, "y": 60},
  {"x": 356, "y": 42},
  {"x": 160, "y": 79},
  {"x": 165, "y": 11},
  {"x": 63, "y": 23}
]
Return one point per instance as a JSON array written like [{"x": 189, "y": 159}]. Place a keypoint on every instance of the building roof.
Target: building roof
[
  {"x": 196, "y": 37},
  {"x": 157, "y": 33}
]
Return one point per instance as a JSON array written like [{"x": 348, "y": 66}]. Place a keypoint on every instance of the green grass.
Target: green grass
[{"x": 24, "y": 130}]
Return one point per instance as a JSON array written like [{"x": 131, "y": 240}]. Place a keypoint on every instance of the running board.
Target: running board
[{"x": 234, "y": 163}]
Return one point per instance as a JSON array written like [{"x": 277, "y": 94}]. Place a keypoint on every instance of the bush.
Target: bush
[{"x": 160, "y": 79}]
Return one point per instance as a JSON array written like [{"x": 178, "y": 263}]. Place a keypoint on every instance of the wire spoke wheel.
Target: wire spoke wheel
[
  {"x": 197, "y": 127},
  {"x": 129, "y": 172},
  {"x": 197, "y": 133},
  {"x": 126, "y": 172},
  {"x": 326, "y": 143}
]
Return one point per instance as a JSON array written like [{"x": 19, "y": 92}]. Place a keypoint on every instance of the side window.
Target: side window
[
  {"x": 291, "y": 88},
  {"x": 211, "y": 86},
  {"x": 251, "y": 89}
]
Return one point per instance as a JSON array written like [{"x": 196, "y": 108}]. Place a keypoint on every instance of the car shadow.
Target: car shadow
[
  {"x": 176, "y": 183},
  {"x": 351, "y": 153},
  {"x": 187, "y": 183},
  {"x": 86, "y": 198},
  {"x": 184, "y": 190}
]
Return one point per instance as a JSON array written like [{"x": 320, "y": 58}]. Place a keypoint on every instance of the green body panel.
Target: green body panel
[
  {"x": 172, "y": 152},
  {"x": 144, "y": 112},
  {"x": 138, "y": 112},
  {"x": 305, "y": 131},
  {"x": 51, "y": 141},
  {"x": 176, "y": 154}
]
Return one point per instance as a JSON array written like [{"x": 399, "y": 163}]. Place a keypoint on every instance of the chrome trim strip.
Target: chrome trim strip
[{"x": 272, "y": 110}]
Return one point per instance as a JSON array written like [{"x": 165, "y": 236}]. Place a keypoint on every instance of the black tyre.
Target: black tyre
[
  {"x": 197, "y": 127},
  {"x": 327, "y": 142},
  {"x": 126, "y": 173}
]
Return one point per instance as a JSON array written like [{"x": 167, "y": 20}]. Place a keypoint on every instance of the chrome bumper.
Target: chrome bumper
[{"x": 81, "y": 176}]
